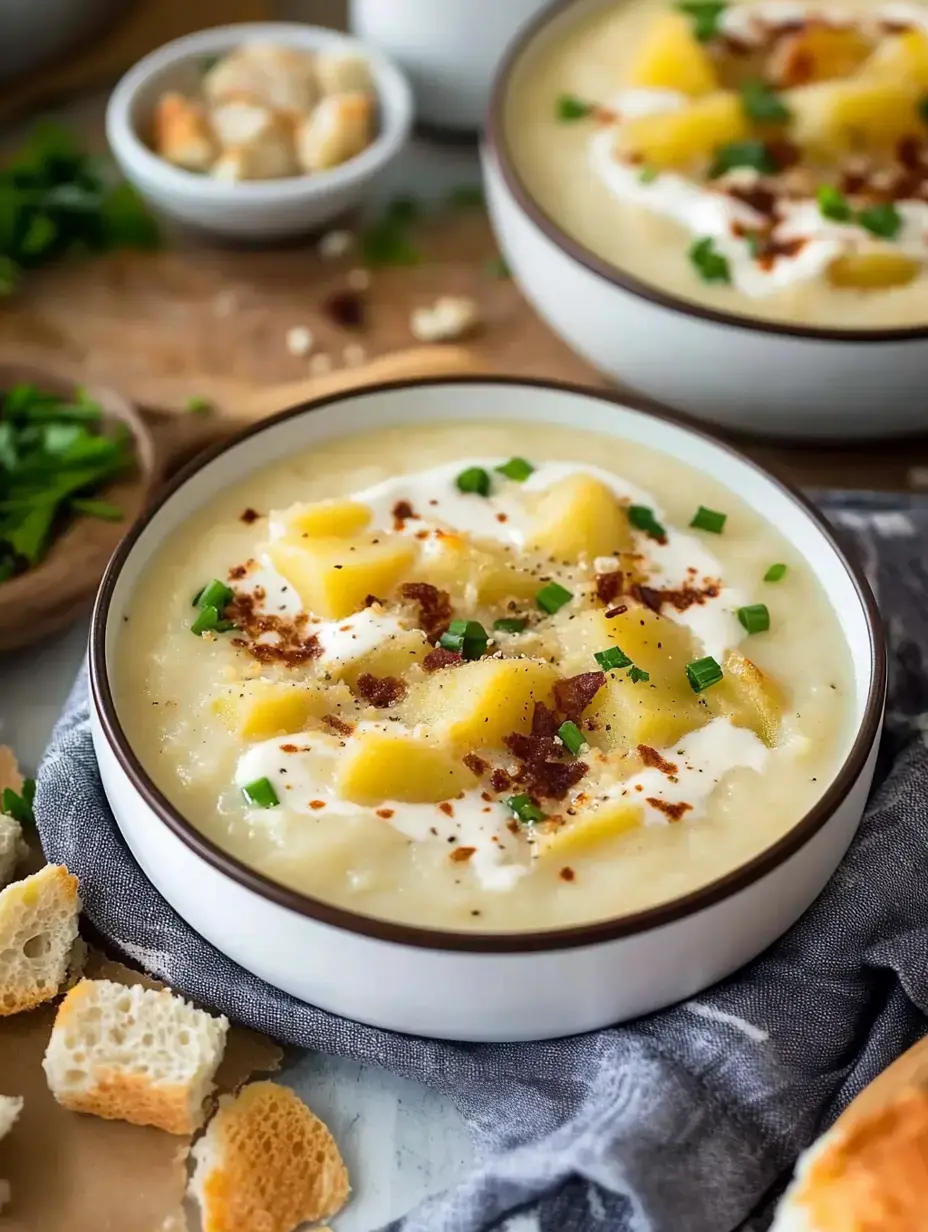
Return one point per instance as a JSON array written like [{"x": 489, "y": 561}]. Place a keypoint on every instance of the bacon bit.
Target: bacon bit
[
  {"x": 784, "y": 153},
  {"x": 502, "y": 517},
  {"x": 371, "y": 600},
  {"x": 447, "y": 808},
  {"x": 440, "y": 657},
  {"x": 575, "y": 694},
  {"x": 653, "y": 759},
  {"x": 605, "y": 115},
  {"x": 292, "y": 648},
  {"x": 289, "y": 748},
  {"x": 462, "y": 854},
  {"x": 346, "y": 308},
  {"x": 381, "y": 691},
  {"x": 237, "y": 572},
  {"x": 542, "y": 777},
  {"x": 317, "y": 804},
  {"x": 434, "y": 607},
  {"x": 773, "y": 249},
  {"x": 609, "y": 586},
  {"x": 512, "y": 826},
  {"x": 248, "y": 516},
  {"x": 476, "y": 764},
  {"x": 500, "y": 780},
  {"x": 757, "y": 197},
  {"x": 566, "y": 874},
  {"x": 386, "y": 814},
  {"x": 544, "y": 721},
  {"x": 908, "y": 152},
  {"x": 673, "y": 812},
  {"x": 681, "y": 599},
  {"x": 423, "y": 534},
  {"x": 617, "y": 611},
  {"x": 402, "y": 513},
  {"x": 338, "y": 725}
]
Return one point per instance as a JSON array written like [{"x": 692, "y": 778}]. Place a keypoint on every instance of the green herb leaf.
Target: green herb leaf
[
  {"x": 386, "y": 243},
  {"x": 705, "y": 16},
  {"x": 710, "y": 265},
  {"x": 474, "y": 479},
  {"x": 570, "y": 108},
  {"x": 703, "y": 673},
  {"x": 709, "y": 519},
  {"x": 261, "y": 794},
  {"x": 19, "y": 805},
  {"x": 763, "y": 104},
  {"x": 525, "y": 809},
  {"x": 642, "y": 518},
  {"x": 833, "y": 204},
  {"x": 468, "y": 637},
  {"x": 883, "y": 220},
  {"x": 402, "y": 211},
  {"x": 571, "y": 737},
  {"x": 753, "y": 154},
  {"x": 509, "y": 624},
  {"x": 775, "y": 573},
  {"x": 637, "y": 675},
  {"x": 214, "y": 594},
  {"x": 552, "y": 598},
  {"x": 198, "y": 405},
  {"x": 516, "y": 469},
  {"x": 612, "y": 659},
  {"x": 648, "y": 174},
  {"x": 755, "y": 617},
  {"x": 98, "y": 509}
]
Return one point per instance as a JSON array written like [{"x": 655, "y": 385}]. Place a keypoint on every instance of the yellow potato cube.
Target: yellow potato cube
[
  {"x": 477, "y": 704},
  {"x": 901, "y": 58},
  {"x": 337, "y": 519},
  {"x": 380, "y": 766},
  {"x": 589, "y": 828},
  {"x": 817, "y": 53},
  {"x": 393, "y": 658},
  {"x": 670, "y": 58},
  {"x": 260, "y": 709},
  {"x": 333, "y": 577},
  {"x": 873, "y": 271},
  {"x": 749, "y": 697},
  {"x": 499, "y": 577},
  {"x": 692, "y": 134},
  {"x": 579, "y": 517},
  {"x": 838, "y": 116}
]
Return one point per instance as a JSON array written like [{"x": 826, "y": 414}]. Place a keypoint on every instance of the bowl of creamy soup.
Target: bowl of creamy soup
[
  {"x": 485, "y": 709},
  {"x": 743, "y": 185}
]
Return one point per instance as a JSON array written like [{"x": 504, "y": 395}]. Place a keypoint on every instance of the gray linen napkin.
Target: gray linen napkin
[{"x": 686, "y": 1121}]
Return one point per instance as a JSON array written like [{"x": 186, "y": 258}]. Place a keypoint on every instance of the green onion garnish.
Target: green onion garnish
[
  {"x": 517, "y": 469},
  {"x": 97, "y": 509},
  {"x": 775, "y": 573},
  {"x": 709, "y": 519},
  {"x": 883, "y": 220},
  {"x": 755, "y": 617},
  {"x": 474, "y": 479},
  {"x": 642, "y": 518},
  {"x": 571, "y": 737},
  {"x": 214, "y": 594},
  {"x": 569, "y": 108},
  {"x": 466, "y": 636},
  {"x": 198, "y": 405},
  {"x": 209, "y": 620},
  {"x": 763, "y": 104},
  {"x": 833, "y": 204},
  {"x": 648, "y": 174},
  {"x": 525, "y": 809},
  {"x": 753, "y": 154},
  {"x": 709, "y": 264},
  {"x": 612, "y": 659},
  {"x": 705, "y": 16},
  {"x": 702, "y": 674},
  {"x": 509, "y": 624},
  {"x": 551, "y": 598},
  {"x": 261, "y": 793},
  {"x": 19, "y": 806},
  {"x": 637, "y": 674}
]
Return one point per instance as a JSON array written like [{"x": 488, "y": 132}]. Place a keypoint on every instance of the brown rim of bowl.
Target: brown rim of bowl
[
  {"x": 498, "y": 148},
  {"x": 488, "y": 943}
]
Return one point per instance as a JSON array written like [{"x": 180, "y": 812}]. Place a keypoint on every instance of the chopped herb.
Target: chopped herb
[
  {"x": 648, "y": 174},
  {"x": 570, "y": 108},
  {"x": 474, "y": 479},
  {"x": 642, "y": 518},
  {"x": 709, "y": 519},
  {"x": 525, "y": 809},
  {"x": 705, "y": 16},
  {"x": 498, "y": 267},
  {"x": 97, "y": 509},
  {"x": 261, "y": 793},
  {"x": 386, "y": 241},
  {"x": 775, "y": 573},
  {"x": 710, "y": 265},
  {"x": 552, "y": 598},
  {"x": 19, "y": 805},
  {"x": 198, "y": 405},
  {"x": 883, "y": 220},
  {"x": 212, "y": 601},
  {"x": 833, "y": 204},
  {"x": 469, "y": 637},
  {"x": 702, "y": 674},
  {"x": 517, "y": 469},
  {"x": 637, "y": 674},
  {"x": 755, "y": 154},
  {"x": 571, "y": 737},
  {"x": 612, "y": 659},
  {"x": 467, "y": 196},
  {"x": 762, "y": 103},
  {"x": 214, "y": 594},
  {"x": 509, "y": 624},
  {"x": 755, "y": 617},
  {"x": 402, "y": 211}
]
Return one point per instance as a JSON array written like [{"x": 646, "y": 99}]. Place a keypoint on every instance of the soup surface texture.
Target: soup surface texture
[
  {"x": 764, "y": 158},
  {"x": 436, "y": 676}
]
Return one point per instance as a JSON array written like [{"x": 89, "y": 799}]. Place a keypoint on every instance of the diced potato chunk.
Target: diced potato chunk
[
  {"x": 873, "y": 271},
  {"x": 692, "y": 134},
  {"x": 817, "y": 53},
  {"x": 380, "y": 766},
  {"x": 502, "y": 580},
  {"x": 339, "y": 128},
  {"x": 835, "y": 117},
  {"x": 333, "y": 577},
  {"x": 336, "y": 519},
  {"x": 670, "y": 58},
  {"x": 394, "y": 658},
  {"x": 477, "y": 704},
  {"x": 749, "y": 697},
  {"x": 181, "y": 133},
  {"x": 900, "y": 59},
  {"x": 259, "y": 709},
  {"x": 579, "y": 517},
  {"x": 589, "y": 828},
  {"x": 453, "y": 563}
]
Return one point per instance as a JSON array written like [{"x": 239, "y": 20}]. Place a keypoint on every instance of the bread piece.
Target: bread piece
[
  {"x": 279, "y": 77},
  {"x": 266, "y": 1162},
  {"x": 181, "y": 133},
  {"x": 134, "y": 1054},
  {"x": 38, "y": 937},
  {"x": 264, "y": 161},
  {"x": 340, "y": 72},
  {"x": 12, "y": 846},
  {"x": 338, "y": 129},
  {"x": 10, "y": 1108}
]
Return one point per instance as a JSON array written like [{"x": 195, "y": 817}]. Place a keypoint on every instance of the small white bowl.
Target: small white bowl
[
  {"x": 468, "y": 985},
  {"x": 253, "y": 209},
  {"x": 766, "y": 378}
]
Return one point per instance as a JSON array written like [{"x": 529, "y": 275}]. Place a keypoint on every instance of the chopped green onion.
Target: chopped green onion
[
  {"x": 709, "y": 519},
  {"x": 755, "y": 617},
  {"x": 98, "y": 509},
  {"x": 702, "y": 674},
  {"x": 833, "y": 204},
  {"x": 709, "y": 264},
  {"x": 612, "y": 659},
  {"x": 474, "y": 479},
  {"x": 642, "y": 518},
  {"x": 517, "y": 469},
  {"x": 571, "y": 737},
  {"x": 19, "y": 805},
  {"x": 775, "y": 573},
  {"x": 551, "y": 598},
  {"x": 466, "y": 636},
  {"x": 637, "y": 674},
  {"x": 705, "y": 16},
  {"x": 206, "y": 622},
  {"x": 762, "y": 103},
  {"x": 261, "y": 793},
  {"x": 198, "y": 405},
  {"x": 571, "y": 108},
  {"x": 509, "y": 624},
  {"x": 648, "y": 174},
  {"x": 883, "y": 220},
  {"x": 525, "y": 809},
  {"x": 753, "y": 154},
  {"x": 214, "y": 594}
]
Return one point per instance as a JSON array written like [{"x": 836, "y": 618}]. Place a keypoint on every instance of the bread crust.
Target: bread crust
[{"x": 24, "y": 910}]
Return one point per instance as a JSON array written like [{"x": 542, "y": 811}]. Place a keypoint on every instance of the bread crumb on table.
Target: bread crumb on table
[
  {"x": 450, "y": 317},
  {"x": 299, "y": 340},
  {"x": 335, "y": 244}
]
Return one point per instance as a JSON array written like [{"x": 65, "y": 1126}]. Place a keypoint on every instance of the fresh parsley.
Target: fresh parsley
[
  {"x": 763, "y": 104},
  {"x": 19, "y": 805},
  {"x": 705, "y": 15},
  {"x": 387, "y": 240},
  {"x": 709, "y": 263},
  {"x": 753, "y": 154}
]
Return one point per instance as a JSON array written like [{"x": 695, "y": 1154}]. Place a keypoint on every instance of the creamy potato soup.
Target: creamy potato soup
[
  {"x": 768, "y": 158},
  {"x": 476, "y": 678}
]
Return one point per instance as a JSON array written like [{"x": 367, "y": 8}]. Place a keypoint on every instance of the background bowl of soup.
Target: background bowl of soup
[
  {"x": 665, "y": 915},
  {"x": 617, "y": 281}
]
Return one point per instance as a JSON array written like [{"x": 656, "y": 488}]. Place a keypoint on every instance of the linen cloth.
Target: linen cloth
[{"x": 686, "y": 1121}]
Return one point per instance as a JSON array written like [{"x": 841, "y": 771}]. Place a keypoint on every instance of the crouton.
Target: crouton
[
  {"x": 38, "y": 937},
  {"x": 181, "y": 133}
]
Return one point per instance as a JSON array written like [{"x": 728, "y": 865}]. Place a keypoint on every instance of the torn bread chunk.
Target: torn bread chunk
[
  {"x": 343, "y": 73},
  {"x": 338, "y": 129},
  {"x": 181, "y": 133},
  {"x": 10, "y": 1108},
  {"x": 266, "y": 1161},
  {"x": 38, "y": 937},
  {"x": 134, "y": 1054},
  {"x": 239, "y": 122},
  {"x": 280, "y": 77},
  {"x": 12, "y": 847},
  {"x": 264, "y": 161}
]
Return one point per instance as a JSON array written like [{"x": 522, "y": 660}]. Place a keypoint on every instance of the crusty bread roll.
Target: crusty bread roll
[
  {"x": 38, "y": 937},
  {"x": 134, "y": 1054},
  {"x": 279, "y": 77},
  {"x": 12, "y": 847},
  {"x": 10, "y": 1108}
]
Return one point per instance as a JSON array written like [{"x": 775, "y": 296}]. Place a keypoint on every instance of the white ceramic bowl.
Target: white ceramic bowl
[
  {"x": 804, "y": 382},
  {"x": 254, "y": 209},
  {"x": 477, "y": 986},
  {"x": 449, "y": 48}
]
